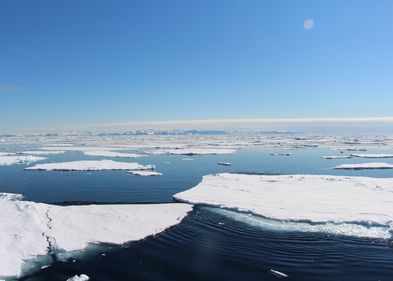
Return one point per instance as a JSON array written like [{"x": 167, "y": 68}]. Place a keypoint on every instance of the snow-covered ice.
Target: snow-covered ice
[
  {"x": 336, "y": 157},
  {"x": 82, "y": 277},
  {"x": 193, "y": 151},
  {"x": 106, "y": 153},
  {"x": 41, "y": 152},
  {"x": 145, "y": 173},
  {"x": 32, "y": 229},
  {"x": 18, "y": 159},
  {"x": 313, "y": 198},
  {"x": 372, "y": 155},
  {"x": 90, "y": 165},
  {"x": 364, "y": 166}
]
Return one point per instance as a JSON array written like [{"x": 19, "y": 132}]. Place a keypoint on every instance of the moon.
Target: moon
[{"x": 308, "y": 24}]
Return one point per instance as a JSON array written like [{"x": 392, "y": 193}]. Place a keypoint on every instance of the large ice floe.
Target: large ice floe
[
  {"x": 90, "y": 165},
  {"x": 12, "y": 159},
  {"x": 372, "y": 155},
  {"x": 193, "y": 151},
  {"x": 30, "y": 230},
  {"x": 364, "y": 166},
  {"x": 106, "y": 153},
  {"x": 354, "y": 206}
]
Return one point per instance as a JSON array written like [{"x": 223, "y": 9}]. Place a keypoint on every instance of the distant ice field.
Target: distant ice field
[{"x": 253, "y": 244}]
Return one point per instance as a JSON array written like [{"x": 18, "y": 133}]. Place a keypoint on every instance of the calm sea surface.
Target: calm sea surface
[{"x": 208, "y": 244}]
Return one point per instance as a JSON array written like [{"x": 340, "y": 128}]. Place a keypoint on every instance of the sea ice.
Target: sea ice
[
  {"x": 224, "y": 163},
  {"x": 193, "y": 151},
  {"x": 30, "y": 229},
  {"x": 337, "y": 157},
  {"x": 373, "y": 155},
  {"x": 145, "y": 173},
  {"x": 82, "y": 277},
  {"x": 18, "y": 159},
  {"x": 312, "y": 198},
  {"x": 90, "y": 165},
  {"x": 106, "y": 153},
  {"x": 364, "y": 166},
  {"x": 41, "y": 152}
]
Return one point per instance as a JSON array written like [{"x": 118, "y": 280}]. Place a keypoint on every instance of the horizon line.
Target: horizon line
[{"x": 211, "y": 123}]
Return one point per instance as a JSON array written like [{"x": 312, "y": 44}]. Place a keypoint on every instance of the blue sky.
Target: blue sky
[{"x": 70, "y": 62}]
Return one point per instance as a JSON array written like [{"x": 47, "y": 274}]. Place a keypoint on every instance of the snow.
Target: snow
[
  {"x": 10, "y": 196},
  {"x": 90, "y": 165},
  {"x": 337, "y": 157},
  {"x": 106, "y": 153},
  {"x": 32, "y": 229},
  {"x": 193, "y": 151},
  {"x": 307, "y": 198},
  {"x": 42, "y": 152},
  {"x": 364, "y": 166},
  {"x": 18, "y": 159},
  {"x": 145, "y": 173},
  {"x": 82, "y": 277},
  {"x": 373, "y": 155}
]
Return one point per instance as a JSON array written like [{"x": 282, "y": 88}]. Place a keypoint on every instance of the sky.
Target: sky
[{"x": 74, "y": 62}]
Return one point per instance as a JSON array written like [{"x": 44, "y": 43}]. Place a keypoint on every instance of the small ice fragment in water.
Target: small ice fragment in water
[
  {"x": 278, "y": 274},
  {"x": 82, "y": 277},
  {"x": 224, "y": 163}
]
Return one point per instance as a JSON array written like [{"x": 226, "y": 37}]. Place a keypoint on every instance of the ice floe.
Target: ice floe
[
  {"x": 278, "y": 274},
  {"x": 337, "y": 157},
  {"x": 364, "y": 166},
  {"x": 145, "y": 173},
  {"x": 41, "y": 152},
  {"x": 192, "y": 151},
  {"x": 373, "y": 155},
  {"x": 18, "y": 159},
  {"x": 90, "y": 165},
  {"x": 224, "y": 163},
  {"x": 306, "y": 198},
  {"x": 30, "y": 229},
  {"x": 106, "y": 153},
  {"x": 82, "y": 277}
]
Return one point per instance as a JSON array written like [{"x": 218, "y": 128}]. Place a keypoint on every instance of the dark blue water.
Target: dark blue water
[{"x": 206, "y": 245}]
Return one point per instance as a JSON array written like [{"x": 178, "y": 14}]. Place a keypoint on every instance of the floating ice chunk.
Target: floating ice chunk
[
  {"x": 41, "y": 152},
  {"x": 281, "y": 154},
  {"x": 145, "y": 173},
  {"x": 82, "y": 277},
  {"x": 86, "y": 165},
  {"x": 278, "y": 274},
  {"x": 193, "y": 151},
  {"x": 106, "y": 153},
  {"x": 310, "y": 198},
  {"x": 224, "y": 163},
  {"x": 10, "y": 196},
  {"x": 80, "y": 148},
  {"x": 373, "y": 155},
  {"x": 31, "y": 229},
  {"x": 18, "y": 159},
  {"x": 337, "y": 157},
  {"x": 364, "y": 166}
]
